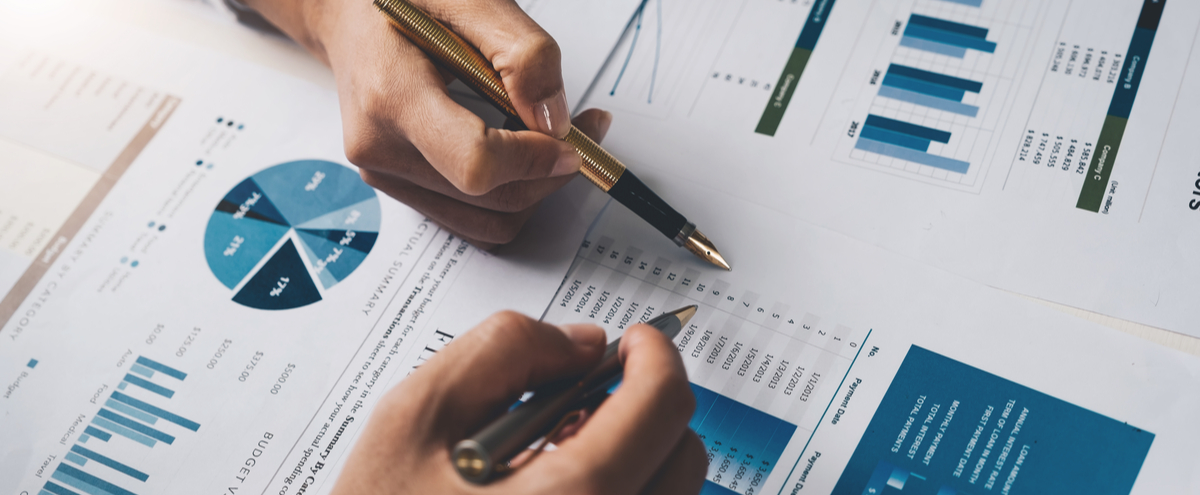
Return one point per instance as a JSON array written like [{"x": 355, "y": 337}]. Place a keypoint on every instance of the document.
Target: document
[
  {"x": 1042, "y": 147},
  {"x": 198, "y": 286},
  {"x": 822, "y": 364}
]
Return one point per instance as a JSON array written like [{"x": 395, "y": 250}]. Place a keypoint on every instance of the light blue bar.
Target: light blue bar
[
  {"x": 914, "y": 156},
  {"x": 157, "y": 366},
  {"x": 86, "y": 482},
  {"x": 105, "y": 460},
  {"x": 181, "y": 421},
  {"x": 76, "y": 458},
  {"x": 135, "y": 426},
  {"x": 84, "y": 438},
  {"x": 142, "y": 370},
  {"x": 968, "y": 3},
  {"x": 112, "y": 404},
  {"x": 150, "y": 386},
  {"x": 933, "y": 47},
  {"x": 123, "y": 431},
  {"x": 929, "y": 101},
  {"x": 923, "y": 87},
  {"x": 893, "y": 137}
]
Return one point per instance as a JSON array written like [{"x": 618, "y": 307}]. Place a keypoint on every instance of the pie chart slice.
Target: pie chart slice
[
  {"x": 282, "y": 283},
  {"x": 290, "y": 232}
]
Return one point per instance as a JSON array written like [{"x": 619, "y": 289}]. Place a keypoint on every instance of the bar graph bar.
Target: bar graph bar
[
  {"x": 794, "y": 68},
  {"x": 142, "y": 370},
  {"x": 164, "y": 369},
  {"x": 136, "y": 426},
  {"x": 96, "y": 433},
  {"x": 148, "y": 385},
  {"x": 53, "y": 488},
  {"x": 736, "y": 435},
  {"x": 124, "y": 408},
  {"x": 123, "y": 431},
  {"x": 166, "y": 416},
  {"x": 75, "y": 478},
  {"x": 79, "y": 451},
  {"x": 929, "y": 89},
  {"x": 968, "y": 3},
  {"x": 905, "y": 141},
  {"x": 32, "y": 364},
  {"x": 944, "y": 37}
]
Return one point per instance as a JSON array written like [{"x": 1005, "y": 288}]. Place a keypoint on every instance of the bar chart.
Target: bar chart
[
  {"x": 740, "y": 440},
  {"x": 123, "y": 422},
  {"x": 932, "y": 107}
]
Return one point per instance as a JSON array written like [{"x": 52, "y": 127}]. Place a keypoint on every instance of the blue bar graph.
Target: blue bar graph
[
  {"x": 912, "y": 155},
  {"x": 929, "y": 101},
  {"x": 905, "y": 141},
  {"x": 95, "y": 433},
  {"x": 148, "y": 385},
  {"x": 944, "y": 37},
  {"x": 164, "y": 369},
  {"x": 186, "y": 423},
  {"x": 968, "y": 3},
  {"x": 935, "y": 78},
  {"x": 93, "y": 455},
  {"x": 923, "y": 87},
  {"x": 736, "y": 435},
  {"x": 895, "y": 138},
  {"x": 86, "y": 483},
  {"x": 907, "y": 128},
  {"x": 121, "y": 407}
]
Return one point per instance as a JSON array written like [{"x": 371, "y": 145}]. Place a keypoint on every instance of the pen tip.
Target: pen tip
[
  {"x": 703, "y": 248},
  {"x": 685, "y": 314}
]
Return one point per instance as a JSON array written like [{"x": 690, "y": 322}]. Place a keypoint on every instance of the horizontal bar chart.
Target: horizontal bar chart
[
  {"x": 906, "y": 141},
  {"x": 944, "y": 37}
]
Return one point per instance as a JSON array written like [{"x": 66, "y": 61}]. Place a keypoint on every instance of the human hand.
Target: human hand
[
  {"x": 410, "y": 140},
  {"x": 636, "y": 442}
]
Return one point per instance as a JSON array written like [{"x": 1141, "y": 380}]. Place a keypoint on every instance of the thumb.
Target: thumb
[{"x": 527, "y": 58}]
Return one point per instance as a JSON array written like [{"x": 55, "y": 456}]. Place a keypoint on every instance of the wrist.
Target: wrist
[{"x": 302, "y": 20}]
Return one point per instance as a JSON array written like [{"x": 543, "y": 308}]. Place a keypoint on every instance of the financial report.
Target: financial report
[{"x": 1036, "y": 146}]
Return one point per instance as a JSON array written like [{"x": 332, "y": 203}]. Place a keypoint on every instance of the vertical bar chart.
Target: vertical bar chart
[
  {"x": 929, "y": 89},
  {"x": 743, "y": 442},
  {"x": 942, "y": 37},
  {"x": 127, "y": 417}
]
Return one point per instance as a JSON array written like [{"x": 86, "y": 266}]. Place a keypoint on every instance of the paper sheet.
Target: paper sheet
[
  {"x": 206, "y": 287},
  {"x": 1037, "y": 146},
  {"x": 822, "y": 364}
]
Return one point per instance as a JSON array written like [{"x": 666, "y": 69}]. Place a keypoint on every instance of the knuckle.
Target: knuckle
[
  {"x": 512, "y": 198},
  {"x": 540, "y": 48},
  {"x": 512, "y": 324},
  {"x": 475, "y": 163}
]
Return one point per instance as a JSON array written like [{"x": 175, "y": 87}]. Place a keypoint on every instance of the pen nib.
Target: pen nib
[{"x": 700, "y": 246}]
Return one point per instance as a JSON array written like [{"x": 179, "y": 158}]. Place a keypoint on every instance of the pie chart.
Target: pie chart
[{"x": 284, "y": 236}]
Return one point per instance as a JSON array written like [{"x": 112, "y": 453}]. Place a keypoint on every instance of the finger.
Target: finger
[
  {"x": 684, "y": 471},
  {"x": 511, "y": 197},
  {"x": 482, "y": 372},
  {"x": 483, "y": 227},
  {"x": 631, "y": 434},
  {"x": 527, "y": 58}
]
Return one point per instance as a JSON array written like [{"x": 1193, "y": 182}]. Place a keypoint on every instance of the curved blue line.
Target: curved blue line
[{"x": 636, "y": 31}]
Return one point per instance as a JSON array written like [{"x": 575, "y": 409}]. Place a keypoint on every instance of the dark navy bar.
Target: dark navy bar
[
  {"x": 148, "y": 385},
  {"x": 935, "y": 78},
  {"x": 944, "y": 25},
  {"x": 186, "y": 423},
  {"x": 1135, "y": 59},
  {"x": 949, "y": 38},
  {"x": 925, "y": 88},
  {"x": 96, "y": 433},
  {"x": 896, "y": 138},
  {"x": 92, "y": 480},
  {"x": 135, "y": 426},
  {"x": 906, "y": 128},
  {"x": 162, "y": 368},
  {"x": 95, "y": 456},
  {"x": 815, "y": 24}
]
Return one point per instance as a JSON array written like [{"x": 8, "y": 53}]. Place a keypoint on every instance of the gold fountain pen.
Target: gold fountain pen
[{"x": 604, "y": 170}]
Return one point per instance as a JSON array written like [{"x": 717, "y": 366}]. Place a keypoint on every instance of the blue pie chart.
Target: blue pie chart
[{"x": 284, "y": 236}]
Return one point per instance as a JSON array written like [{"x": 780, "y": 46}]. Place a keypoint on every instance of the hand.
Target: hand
[
  {"x": 410, "y": 140},
  {"x": 636, "y": 442}
]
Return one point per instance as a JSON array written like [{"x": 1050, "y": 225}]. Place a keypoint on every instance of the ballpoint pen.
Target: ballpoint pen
[
  {"x": 604, "y": 170},
  {"x": 487, "y": 453}
]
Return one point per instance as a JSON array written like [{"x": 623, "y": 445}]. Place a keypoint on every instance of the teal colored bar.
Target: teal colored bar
[
  {"x": 112, "y": 404},
  {"x": 84, "y": 438},
  {"x": 77, "y": 459},
  {"x": 184, "y": 422},
  {"x": 95, "y": 456},
  {"x": 911, "y": 155},
  {"x": 946, "y": 37},
  {"x": 102, "y": 435},
  {"x": 56, "y": 489},
  {"x": 157, "y": 366},
  {"x": 123, "y": 431},
  {"x": 148, "y": 385},
  {"x": 923, "y": 87},
  {"x": 135, "y": 426},
  {"x": 86, "y": 482},
  {"x": 929, "y": 101},
  {"x": 950, "y": 26},
  {"x": 933, "y": 47},
  {"x": 896, "y": 138},
  {"x": 142, "y": 370}
]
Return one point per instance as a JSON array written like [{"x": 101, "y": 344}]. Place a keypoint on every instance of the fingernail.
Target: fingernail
[
  {"x": 552, "y": 115},
  {"x": 602, "y": 126},
  {"x": 568, "y": 161},
  {"x": 585, "y": 335}
]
